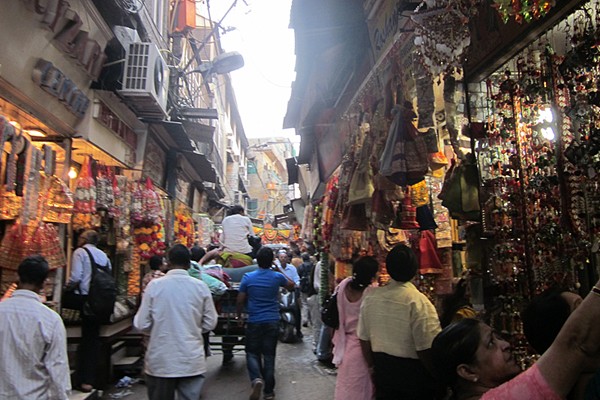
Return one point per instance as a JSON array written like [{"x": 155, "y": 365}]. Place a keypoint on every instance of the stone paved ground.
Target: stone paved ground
[{"x": 298, "y": 376}]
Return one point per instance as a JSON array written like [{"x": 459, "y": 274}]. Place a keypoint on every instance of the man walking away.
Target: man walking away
[
  {"x": 176, "y": 310},
  {"x": 396, "y": 327},
  {"x": 34, "y": 363},
  {"x": 261, "y": 289}
]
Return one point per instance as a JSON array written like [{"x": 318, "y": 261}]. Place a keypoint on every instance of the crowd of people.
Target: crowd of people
[{"x": 391, "y": 342}]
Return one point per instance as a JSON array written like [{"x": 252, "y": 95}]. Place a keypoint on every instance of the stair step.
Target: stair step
[
  {"x": 126, "y": 361},
  {"x": 77, "y": 395},
  {"x": 117, "y": 345}
]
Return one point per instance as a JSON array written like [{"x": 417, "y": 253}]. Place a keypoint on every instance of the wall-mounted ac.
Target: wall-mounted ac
[{"x": 145, "y": 81}]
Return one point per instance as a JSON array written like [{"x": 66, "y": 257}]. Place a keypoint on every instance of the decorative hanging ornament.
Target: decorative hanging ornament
[
  {"x": 522, "y": 10},
  {"x": 442, "y": 34}
]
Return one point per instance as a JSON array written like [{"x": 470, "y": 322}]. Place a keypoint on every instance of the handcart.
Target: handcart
[{"x": 230, "y": 332}]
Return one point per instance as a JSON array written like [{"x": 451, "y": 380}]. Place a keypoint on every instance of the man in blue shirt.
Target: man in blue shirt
[{"x": 261, "y": 290}]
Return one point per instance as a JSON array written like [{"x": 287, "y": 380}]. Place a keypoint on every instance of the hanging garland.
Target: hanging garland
[{"x": 184, "y": 226}]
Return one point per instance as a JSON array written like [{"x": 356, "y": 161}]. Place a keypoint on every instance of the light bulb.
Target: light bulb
[
  {"x": 548, "y": 133},
  {"x": 545, "y": 115},
  {"x": 72, "y": 173}
]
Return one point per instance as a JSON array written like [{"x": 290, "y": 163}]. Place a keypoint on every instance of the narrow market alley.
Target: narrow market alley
[{"x": 298, "y": 376}]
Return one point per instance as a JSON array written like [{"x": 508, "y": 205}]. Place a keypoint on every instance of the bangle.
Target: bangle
[{"x": 596, "y": 290}]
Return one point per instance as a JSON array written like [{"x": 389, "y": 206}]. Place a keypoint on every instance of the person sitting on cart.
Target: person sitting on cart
[
  {"x": 260, "y": 289},
  {"x": 235, "y": 251}
]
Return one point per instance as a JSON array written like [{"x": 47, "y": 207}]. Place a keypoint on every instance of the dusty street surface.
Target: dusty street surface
[{"x": 298, "y": 376}]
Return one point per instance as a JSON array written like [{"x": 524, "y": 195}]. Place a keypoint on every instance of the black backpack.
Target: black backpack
[
  {"x": 103, "y": 292},
  {"x": 306, "y": 284}
]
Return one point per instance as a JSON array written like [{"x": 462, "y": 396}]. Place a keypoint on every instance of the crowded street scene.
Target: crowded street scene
[{"x": 300, "y": 199}]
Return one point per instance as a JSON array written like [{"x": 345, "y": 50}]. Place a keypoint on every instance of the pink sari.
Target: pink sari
[{"x": 353, "y": 379}]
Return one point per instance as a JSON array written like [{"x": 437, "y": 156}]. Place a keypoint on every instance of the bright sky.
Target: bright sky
[{"x": 263, "y": 86}]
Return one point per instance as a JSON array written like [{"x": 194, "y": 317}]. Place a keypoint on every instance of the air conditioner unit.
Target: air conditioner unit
[{"x": 145, "y": 81}]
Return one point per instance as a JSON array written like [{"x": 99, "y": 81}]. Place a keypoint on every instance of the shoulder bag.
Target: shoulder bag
[{"x": 329, "y": 312}]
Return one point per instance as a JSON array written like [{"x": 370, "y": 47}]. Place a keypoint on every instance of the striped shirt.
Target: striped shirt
[{"x": 33, "y": 350}]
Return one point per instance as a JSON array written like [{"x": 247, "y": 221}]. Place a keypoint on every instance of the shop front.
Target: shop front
[{"x": 477, "y": 150}]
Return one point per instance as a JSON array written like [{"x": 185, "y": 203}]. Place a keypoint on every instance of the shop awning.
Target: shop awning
[
  {"x": 292, "y": 170},
  {"x": 176, "y": 131},
  {"x": 199, "y": 132},
  {"x": 213, "y": 190},
  {"x": 202, "y": 166}
]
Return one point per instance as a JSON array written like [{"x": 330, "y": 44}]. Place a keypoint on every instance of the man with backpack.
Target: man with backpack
[
  {"x": 305, "y": 271},
  {"x": 93, "y": 297}
]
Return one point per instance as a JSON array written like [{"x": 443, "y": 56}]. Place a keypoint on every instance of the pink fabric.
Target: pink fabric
[
  {"x": 353, "y": 379},
  {"x": 529, "y": 385}
]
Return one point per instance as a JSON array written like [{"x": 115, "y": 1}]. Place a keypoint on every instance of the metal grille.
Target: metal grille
[{"x": 137, "y": 67}]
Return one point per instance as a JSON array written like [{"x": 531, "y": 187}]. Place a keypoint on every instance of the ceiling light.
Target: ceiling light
[
  {"x": 15, "y": 124},
  {"x": 72, "y": 173},
  {"x": 35, "y": 132}
]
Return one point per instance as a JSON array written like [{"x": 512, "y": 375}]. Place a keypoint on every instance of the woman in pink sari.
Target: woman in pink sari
[{"x": 353, "y": 376}]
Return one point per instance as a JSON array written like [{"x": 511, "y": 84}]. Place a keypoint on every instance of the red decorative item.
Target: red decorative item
[
  {"x": 85, "y": 190},
  {"x": 408, "y": 213}
]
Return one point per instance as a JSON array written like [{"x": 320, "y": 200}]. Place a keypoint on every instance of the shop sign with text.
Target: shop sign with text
[
  {"x": 69, "y": 37},
  {"x": 384, "y": 26},
  {"x": 53, "y": 81}
]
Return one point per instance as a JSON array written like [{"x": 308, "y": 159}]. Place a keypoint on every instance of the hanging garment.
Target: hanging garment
[
  {"x": 355, "y": 218},
  {"x": 460, "y": 191},
  {"x": 408, "y": 215},
  {"x": 425, "y": 218},
  {"x": 429, "y": 261},
  {"x": 382, "y": 211},
  {"x": 419, "y": 193},
  {"x": 361, "y": 185},
  {"x": 405, "y": 154}
]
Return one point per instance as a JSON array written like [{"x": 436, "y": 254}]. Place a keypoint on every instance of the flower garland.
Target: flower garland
[
  {"x": 149, "y": 231},
  {"x": 183, "y": 226},
  {"x": 150, "y": 240}
]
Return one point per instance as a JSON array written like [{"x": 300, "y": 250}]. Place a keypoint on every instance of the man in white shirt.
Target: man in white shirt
[
  {"x": 396, "y": 327},
  {"x": 236, "y": 228},
  {"x": 33, "y": 361},
  {"x": 176, "y": 309}
]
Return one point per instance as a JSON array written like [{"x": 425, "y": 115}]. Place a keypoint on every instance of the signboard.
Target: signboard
[
  {"x": 384, "y": 26},
  {"x": 154, "y": 162},
  {"x": 330, "y": 140}
]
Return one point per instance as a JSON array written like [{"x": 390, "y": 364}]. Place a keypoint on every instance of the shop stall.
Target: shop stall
[{"x": 533, "y": 124}]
